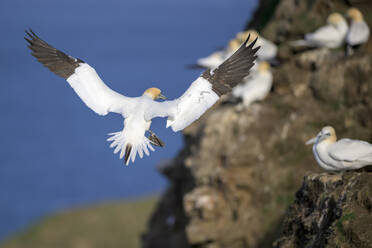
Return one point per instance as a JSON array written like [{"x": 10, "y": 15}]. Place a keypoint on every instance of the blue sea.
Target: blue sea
[{"x": 53, "y": 149}]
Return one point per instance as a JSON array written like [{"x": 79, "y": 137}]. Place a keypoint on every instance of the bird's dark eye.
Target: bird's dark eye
[{"x": 328, "y": 134}]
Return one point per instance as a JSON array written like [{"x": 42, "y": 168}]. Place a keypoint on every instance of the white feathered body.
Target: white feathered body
[
  {"x": 213, "y": 60},
  {"x": 345, "y": 154},
  {"x": 133, "y": 134},
  {"x": 255, "y": 87},
  {"x": 267, "y": 51},
  {"x": 358, "y": 33},
  {"x": 101, "y": 99},
  {"x": 329, "y": 36}
]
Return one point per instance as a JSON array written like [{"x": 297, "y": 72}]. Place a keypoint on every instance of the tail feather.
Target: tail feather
[
  {"x": 146, "y": 151},
  {"x": 121, "y": 149},
  {"x": 129, "y": 150},
  {"x": 149, "y": 145},
  {"x": 140, "y": 151},
  {"x": 132, "y": 154}
]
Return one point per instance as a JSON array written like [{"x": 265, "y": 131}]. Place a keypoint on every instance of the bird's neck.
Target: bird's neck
[{"x": 324, "y": 144}]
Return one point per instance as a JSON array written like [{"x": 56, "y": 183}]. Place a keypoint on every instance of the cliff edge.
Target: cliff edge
[
  {"x": 239, "y": 170},
  {"x": 330, "y": 211}
]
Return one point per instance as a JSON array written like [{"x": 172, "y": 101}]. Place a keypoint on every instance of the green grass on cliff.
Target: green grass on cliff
[{"x": 117, "y": 224}]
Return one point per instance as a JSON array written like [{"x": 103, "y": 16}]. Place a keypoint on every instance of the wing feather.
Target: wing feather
[
  {"x": 232, "y": 71},
  {"x": 204, "y": 92},
  {"x": 351, "y": 150},
  {"x": 81, "y": 77}
]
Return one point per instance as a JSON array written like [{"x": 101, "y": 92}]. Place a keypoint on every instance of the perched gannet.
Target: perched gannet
[
  {"x": 139, "y": 111},
  {"x": 256, "y": 86},
  {"x": 216, "y": 58},
  {"x": 331, "y": 35},
  {"x": 268, "y": 49},
  {"x": 212, "y": 61},
  {"x": 358, "y": 31},
  {"x": 345, "y": 154}
]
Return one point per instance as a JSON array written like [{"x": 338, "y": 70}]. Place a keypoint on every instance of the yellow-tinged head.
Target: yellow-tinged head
[
  {"x": 335, "y": 18},
  {"x": 354, "y": 14},
  {"x": 263, "y": 66},
  {"x": 154, "y": 93},
  {"x": 234, "y": 45},
  {"x": 242, "y": 36},
  {"x": 328, "y": 134}
]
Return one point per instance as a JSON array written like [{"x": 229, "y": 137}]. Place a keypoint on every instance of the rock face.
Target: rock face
[
  {"x": 330, "y": 211},
  {"x": 239, "y": 170}
]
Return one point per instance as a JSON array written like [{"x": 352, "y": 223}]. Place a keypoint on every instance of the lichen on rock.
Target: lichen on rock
[{"x": 330, "y": 210}]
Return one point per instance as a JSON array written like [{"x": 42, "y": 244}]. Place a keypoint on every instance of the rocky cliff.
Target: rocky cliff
[
  {"x": 330, "y": 211},
  {"x": 239, "y": 170}
]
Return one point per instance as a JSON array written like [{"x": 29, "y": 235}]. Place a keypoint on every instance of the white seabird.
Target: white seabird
[
  {"x": 256, "y": 86},
  {"x": 331, "y": 35},
  {"x": 358, "y": 31},
  {"x": 345, "y": 154},
  {"x": 216, "y": 58},
  {"x": 268, "y": 50},
  {"x": 139, "y": 111}
]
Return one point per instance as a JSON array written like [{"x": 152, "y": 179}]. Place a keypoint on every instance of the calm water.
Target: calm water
[{"x": 53, "y": 153}]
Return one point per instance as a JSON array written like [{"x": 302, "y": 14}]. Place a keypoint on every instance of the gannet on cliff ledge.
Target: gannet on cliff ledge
[
  {"x": 139, "y": 111},
  {"x": 216, "y": 58},
  {"x": 256, "y": 86},
  {"x": 345, "y": 154},
  {"x": 358, "y": 31},
  {"x": 331, "y": 35},
  {"x": 268, "y": 49}
]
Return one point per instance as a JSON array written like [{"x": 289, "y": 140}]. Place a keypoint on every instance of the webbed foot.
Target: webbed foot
[{"x": 155, "y": 140}]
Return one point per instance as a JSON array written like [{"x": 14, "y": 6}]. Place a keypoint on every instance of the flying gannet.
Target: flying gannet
[
  {"x": 139, "y": 111},
  {"x": 345, "y": 154},
  {"x": 358, "y": 31},
  {"x": 331, "y": 35},
  {"x": 256, "y": 86},
  {"x": 268, "y": 49}
]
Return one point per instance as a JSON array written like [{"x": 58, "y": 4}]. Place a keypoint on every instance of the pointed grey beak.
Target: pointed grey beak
[
  {"x": 311, "y": 141},
  {"x": 160, "y": 96}
]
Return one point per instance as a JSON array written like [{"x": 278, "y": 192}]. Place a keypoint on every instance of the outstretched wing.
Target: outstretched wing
[
  {"x": 81, "y": 77},
  {"x": 206, "y": 89}
]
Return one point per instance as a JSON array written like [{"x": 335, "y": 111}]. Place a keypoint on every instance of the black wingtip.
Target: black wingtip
[
  {"x": 251, "y": 45},
  {"x": 246, "y": 41},
  {"x": 128, "y": 150},
  {"x": 29, "y": 32},
  {"x": 30, "y": 36},
  {"x": 28, "y": 40},
  {"x": 32, "y": 32},
  {"x": 256, "y": 49}
]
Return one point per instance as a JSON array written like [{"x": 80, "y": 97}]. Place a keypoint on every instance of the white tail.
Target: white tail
[{"x": 129, "y": 149}]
